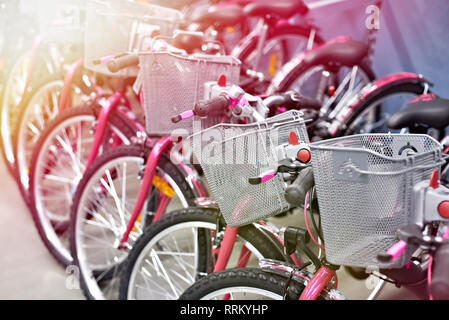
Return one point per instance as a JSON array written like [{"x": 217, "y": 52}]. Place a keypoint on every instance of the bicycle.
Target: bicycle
[
  {"x": 72, "y": 141},
  {"x": 32, "y": 69},
  {"x": 352, "y": 163},
  {"x": 366, "y": 98},
  {"x": 164, "y": 244},
  {"x": 41, "y": 153},
  {"x": 175, "y": 180},
  {"x": 68, "y": 119}
]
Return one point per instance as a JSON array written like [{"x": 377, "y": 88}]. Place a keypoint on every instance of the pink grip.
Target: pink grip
[
  {"x": 186, "y": 114},
  {"x": 267, "y": 176},
  {"x": 106, "y": 59},
  {"x": 397, "y": 249}
]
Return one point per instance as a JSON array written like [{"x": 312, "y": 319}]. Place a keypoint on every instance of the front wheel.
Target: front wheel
[
  {"x": 180, "y": 248},
  {"x": 57, "y": 165},
  {"x": 102, "y": 206},
  {"x": 245, "y": 284}
]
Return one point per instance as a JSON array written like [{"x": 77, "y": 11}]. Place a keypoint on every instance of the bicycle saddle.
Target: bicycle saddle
[
  {"x": 427, "y": 109},
  {"x": 219, "y": 17},
  {"x": 188, "y": 42},
  {"x": 282, "y": 9},
  {"x": 339, "y": 51}
]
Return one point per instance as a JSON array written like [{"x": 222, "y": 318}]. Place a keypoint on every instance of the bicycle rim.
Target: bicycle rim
[
  {"x": 59, "y": 167},
  {"x": 242, "y": 293},
  {"x": 170, "y": 262},
  {"x": 307, "y": 84},
  {"x": 42, "y": 107},
  {"x": 98, "y": 231},
  {"x": 12, "y": 95}
]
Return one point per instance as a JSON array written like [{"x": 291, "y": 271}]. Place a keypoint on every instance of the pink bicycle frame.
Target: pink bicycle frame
[
  {"x": 319, "y": 281},
  {"x": 112, "y": 102},
  {"x": 65, "y": 100}
]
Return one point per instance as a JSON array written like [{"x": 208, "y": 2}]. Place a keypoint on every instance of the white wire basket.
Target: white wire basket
[
  {"x": 232, "y": 154},
  {"x": 119, "y": 26},
  {"x": 365, "y": 187},
  {"x": 62, "y": 21},
  {"x": 174, "y": 83}
]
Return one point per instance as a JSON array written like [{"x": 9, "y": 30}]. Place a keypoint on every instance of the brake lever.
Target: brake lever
[{"x": 295, "y": 157}]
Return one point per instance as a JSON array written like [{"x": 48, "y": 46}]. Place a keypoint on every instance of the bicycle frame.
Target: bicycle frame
[{"x": 112, "y": 102}]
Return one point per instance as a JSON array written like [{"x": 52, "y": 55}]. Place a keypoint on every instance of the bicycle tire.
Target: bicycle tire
[
  {"x": 116, "y": 119},
  {"x": 281, "y": 31},
  {"x": 9, "y": 117},
  {"x": 177, "y": 174},
  {"x": 255, "y": 240},
  {"x": 414, "y": 87},
  {"x": 301, "y": 68},
  {"x": 248, "y": 279}
]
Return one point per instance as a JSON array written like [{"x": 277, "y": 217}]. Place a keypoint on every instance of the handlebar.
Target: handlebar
[
  {"x": 122, "y": 62},
  {"x": 214, "y": 106},
  {"x": 394, "y": 252},
  {"x": 291, "y": 101},
  {"x": 295, "y": 193}
]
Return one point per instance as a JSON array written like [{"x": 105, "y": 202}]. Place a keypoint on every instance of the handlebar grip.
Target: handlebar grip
[
  {"x": 214, "y": 106},
  {"x": 120, "y": 63},
  {"x": 291, "y": 101},
  {"x": 264, "y": 177},
  {"x": 393, "y": 253},
  {"x": 439, "y": 287},
  {"x": 295, "y": 194}
]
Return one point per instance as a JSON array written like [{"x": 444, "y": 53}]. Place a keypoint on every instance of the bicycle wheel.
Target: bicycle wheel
[
  {"x": 280, "y": 47},
  {"x": 102, "y": 206},
  {"x": 306, "y": 80},
  {"x": 18, "y": 85},
  {"x": 40, "y": 106},
  {"x": 12, "y": 94},
  {"x": 371, "y": 114},
  {"x": 247, "y": 284},
  {"x": 57, "y": 165},
  {"x": 178, "y": 249}
]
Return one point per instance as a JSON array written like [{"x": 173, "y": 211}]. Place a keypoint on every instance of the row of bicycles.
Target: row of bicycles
[{"x": 154, "y": 146}]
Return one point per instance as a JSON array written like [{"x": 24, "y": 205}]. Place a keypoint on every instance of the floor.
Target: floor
[{"x": 27, "y": 270}]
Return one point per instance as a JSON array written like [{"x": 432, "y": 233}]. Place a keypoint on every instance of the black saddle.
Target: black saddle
[
  {"x": 283, "y": 9},
  {"x": 189, "y": 42},
  {"x": 219, "y": 17},
  {"x": 339, "y": 51},
  {"x": 428, "y": 109}
]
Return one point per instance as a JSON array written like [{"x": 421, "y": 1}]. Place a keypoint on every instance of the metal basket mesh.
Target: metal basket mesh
[
  {"x": 62, "y": 21},
  {"x": 240, "y": 152},
  {"x": 360, "y": 213},
  {"x": 173, "y": 83},
  {"x": 117, "y": 26}
]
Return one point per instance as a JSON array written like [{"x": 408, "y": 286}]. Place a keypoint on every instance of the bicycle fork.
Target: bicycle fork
[{"x": 161, "y": 146}]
